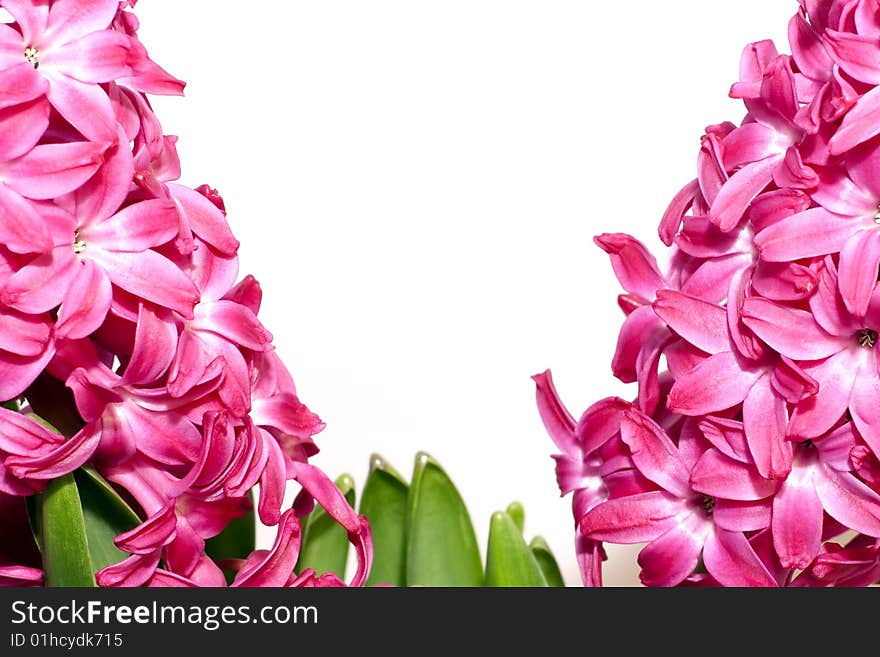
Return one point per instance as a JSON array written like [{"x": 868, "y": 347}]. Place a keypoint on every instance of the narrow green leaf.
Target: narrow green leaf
[
  {"x": 383, "y": 502},
  {"x": 66, "y": 559},
  {"x": 237, "y": 541},
  {"x": 106, "y": 515},
  {"x": 518, "y": 514},
  {"x": 442, "y": 547},
  {"x": 509, "y": 561},
  {"x": 544, "y": 556},
  {"x": 325, "y": 542},
  {"x": 11, "y": 405}
]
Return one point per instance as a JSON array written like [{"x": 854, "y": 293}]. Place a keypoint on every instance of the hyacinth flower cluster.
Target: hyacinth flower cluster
[
  {"x": 749, "y": 456},
  {"x": 124, "y": 324}
]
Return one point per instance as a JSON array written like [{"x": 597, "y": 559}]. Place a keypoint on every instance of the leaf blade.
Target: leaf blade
[
  {"x": 509, "y": 561},
  {"x": 105, "y": 515},
  {"x": 66, "y": 560},
  {"x": 384, "y": 503},
  {"x": 547, "y": 562},
  {"x": 442, "y": 547}
]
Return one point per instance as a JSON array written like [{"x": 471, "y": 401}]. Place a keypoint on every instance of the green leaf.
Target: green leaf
[
  {"x": 509, "y": 561},
  {"x": 237, "y": 541},
  {"x": 544, "y": 556},
  {"x": 383, "y": 502},
  {"x": 442, "y": 547},
  {"x": 106, "y": 515},
  {"x": 11, "y": 405},
  {"x": 325, "y": 542},
  {"x": 66, "y": 560},
  {"x": 516, "y": 511}
]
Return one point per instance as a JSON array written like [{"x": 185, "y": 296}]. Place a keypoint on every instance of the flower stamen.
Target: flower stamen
[
  {"x": 32, "y": 56},
  {"x": 867, "y": 338},
  {"x": 709, "y": 504},
  {"x": 78, "y": 245}
]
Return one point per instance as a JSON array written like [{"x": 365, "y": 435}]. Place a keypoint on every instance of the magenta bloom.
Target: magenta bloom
[
  {"x": 124, "y": 322},
  {"x": 751, "y": 449}
]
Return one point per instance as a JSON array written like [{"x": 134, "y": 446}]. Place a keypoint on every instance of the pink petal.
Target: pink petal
[
  {"x": 747, "y": 344},
  {"x": 739, "y": 191},
  {"x": 18, "y": 372},
  {"x": 288, "y": 414},
  {"x": 639, "y": 324},
  {"x": 42, "y": 284},
  {"x": 727, "y": 436},
  {"x": 63, "y": 459},
  {"x": 273, "y": 481},
  {"x": 23, "y": 335},
  {"x": 712, "y": 279},
  {"x": 815, "y": 415},
  {"x": 205, "y": 219},
  {"x": 647, "y": 366},
  {"x": 841, "y": 194},
  {"x": 97, "y": 57},
  {"x": 827, "y": 305},
  {"x": 860, "y": 124},
  {"x": 811, "y": 233},
  {"x": 790, "y": 382},
  {"x": 836, "y": 448},
  {"x": 319, "y": 487},
  {"x": 736, "y": 516},
  {"x": 771, "y": 207},
  {"x": 716, "y": 384},
  {"x": 149, "y": 276},
  {"x": 599, "y": 424},
  {"x": 654, "y": 453},
  {"x": 632, "y": 519},
  {"x": 848, "y": 500},
  {"x": 749, "y": 143},
  {"x": 670, "y": 558},
  {"x": 28, "y": 122},
  {"x": 155, "y": 532},
  {"x": 134, "y": 571},
  {"x": 717, "y": 475},
  {"x": 21, "y": 84},
  {"x": 51, "y": 170},
  {"x": 86, "y": 303},
  {"x": 589, "y": 555},
  {"x": 806, "y": 46},
  {"x": 676, "y": 210},
  {"x": 32, "y": 17},
  {"x": 234, "y": 322},
  {"x": 784, "y": 281},
  {"x": 154, "y": 346},
  {"x": 86, "y": 106},
  {"x": 731, "y": 560},
  {"x": 102, "y": 195},
  {"x": 23, "y": 435},
  {"x": 635, "y": 267},
  {"x": 863, "y": 403},
  {"x": 135, "y": 228},
  {"x": 858, "y": 55},
  {"x": 765, "y": 419},
  {"x": 702, "y": 324},
  {"x": 71, "y": 19},
  {"x": 791, "y": 332},
  {"x": 167, "y": 437},
  {"x": 797, "y": 518},
  {"x": 557, "y": 420},
  {"x": 857, "y": 275},
  {"x": 274, "y": 567}
]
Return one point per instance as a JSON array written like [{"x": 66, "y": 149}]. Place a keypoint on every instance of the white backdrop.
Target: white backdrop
[{"x": 416, "y": 185}]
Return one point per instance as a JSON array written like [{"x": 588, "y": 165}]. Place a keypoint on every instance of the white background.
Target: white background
[{"x": 416, "y": 185}]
